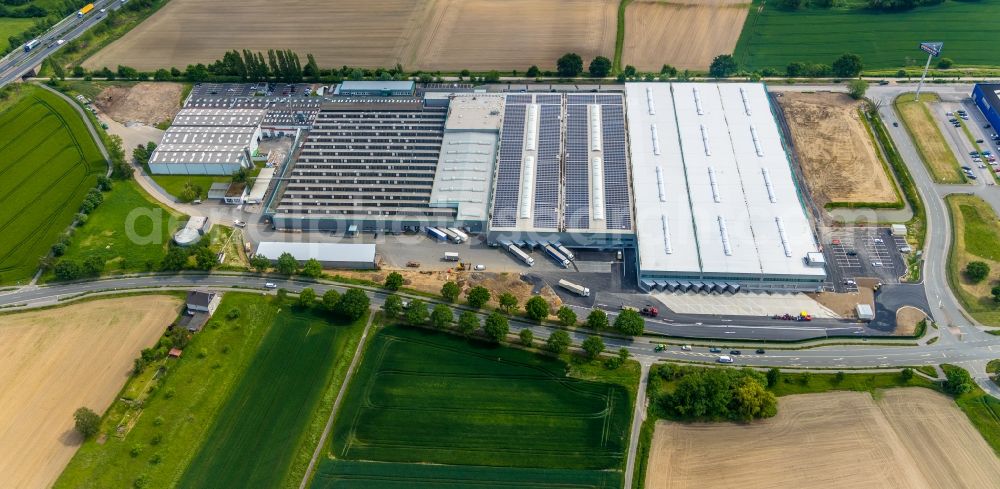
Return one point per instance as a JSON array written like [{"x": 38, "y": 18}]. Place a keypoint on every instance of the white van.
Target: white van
[
  {"x": 725, "y": 359},
  {"x": 270, "y": 285}
]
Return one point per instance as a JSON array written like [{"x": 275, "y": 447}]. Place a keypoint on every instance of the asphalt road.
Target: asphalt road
[{"x": 18, "y": 62}]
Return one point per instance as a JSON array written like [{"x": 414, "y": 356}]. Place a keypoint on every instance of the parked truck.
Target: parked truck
[
  {"x": 32, "y": 44},
  {"x": 451, "y": 235},
  {"x": 461, "y": 234},
  {"x": 450, "y": 256},
  {"x": 558, "y": 257},
  {"x": 567, "y": 253},
  {"x": 521, "y": 255},
  {"x": 435, "y": 233},
  {"x": 85, "y": 10},
  {"x": 574, "y": 288}
]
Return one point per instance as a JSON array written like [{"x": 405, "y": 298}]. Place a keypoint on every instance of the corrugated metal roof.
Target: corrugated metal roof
[{"x": 325, "y": 252}]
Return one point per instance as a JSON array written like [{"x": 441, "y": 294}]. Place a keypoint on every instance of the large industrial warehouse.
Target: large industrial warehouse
[
  {"x": 716, "y": 204},
  {"x": 987, "y": 98},
  {"x": 562, "y": 174},
  {"x": 203, "y": 141}
]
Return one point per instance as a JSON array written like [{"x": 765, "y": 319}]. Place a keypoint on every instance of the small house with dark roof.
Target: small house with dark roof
[{"x": 203, "y": 301}]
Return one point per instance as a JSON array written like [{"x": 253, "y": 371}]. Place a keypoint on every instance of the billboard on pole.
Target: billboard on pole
[{"x": 932, "y": 48}]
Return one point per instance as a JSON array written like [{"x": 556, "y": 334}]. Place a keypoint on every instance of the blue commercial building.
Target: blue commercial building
[{"x": 987, "y": 97}]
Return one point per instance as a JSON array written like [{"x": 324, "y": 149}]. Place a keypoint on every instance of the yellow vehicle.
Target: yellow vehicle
[{"x": 85, "y": 10}]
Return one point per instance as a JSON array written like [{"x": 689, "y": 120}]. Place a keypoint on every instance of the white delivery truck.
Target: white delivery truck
[
  {"x": 450, "y": 256},
  {"x": 575, "y": 288}
]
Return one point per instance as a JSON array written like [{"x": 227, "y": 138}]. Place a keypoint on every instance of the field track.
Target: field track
[{"x": 47, "y": 164}]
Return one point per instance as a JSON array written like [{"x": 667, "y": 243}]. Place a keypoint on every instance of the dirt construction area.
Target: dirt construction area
[
  {"x": 837, "y": 155},
  {"x": 911, "y": 438},
  {"x": 57, "y": 360},
  {"x": 686, "y": 34},
  {"x": 148, "y": 103},
  {"x": 419, "y": 34}
]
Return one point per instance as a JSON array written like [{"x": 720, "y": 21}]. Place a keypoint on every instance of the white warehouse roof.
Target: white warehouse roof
[
  {"x": 324, "y": 252},
  {"x": 709, "y": 157}
]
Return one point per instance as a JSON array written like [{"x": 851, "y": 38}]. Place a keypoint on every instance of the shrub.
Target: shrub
[
  {"x": 630, "y": 322},
  {"x": 593, "y": 346},
  {"x": 558, "y": 342},
  {"x": 527, "y": 337},
  {"x": 394, "y": 281},
  {"x": 977, "y": 271},
  {"x": 477, "y": 296},
  {"x": 537, "y": 308},
  {"x": 496, "y": 327}
]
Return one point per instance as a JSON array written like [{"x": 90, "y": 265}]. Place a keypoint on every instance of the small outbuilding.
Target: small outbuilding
[
  {"x": 356, "y": 256},
  {"x": 865, "y": 312},
  {"x": 175, "y": 353},
  {"x": 192, "y": 232},
  {"x": 899, "y": 229}
]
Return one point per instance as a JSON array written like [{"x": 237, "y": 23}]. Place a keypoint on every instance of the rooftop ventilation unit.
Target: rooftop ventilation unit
[
  {"x": 597, "y": 186},
  {"x": 784, "y": 238},
  {"x": 756, "y": 141},
  {"x": 714, "y": 184},
  {"x": 659, "y": 184},
  {"x": 532, "y": 126},
  {"x": 656, "y": 139},
  {"x": 649, "y": 101},
  {"x": 726, "y": 248},
  {"x": 746, "y": 100},
  {"x": 666, "y": 235},
  {"x": 704, "y": 140},
  {"x": 595, "y": 127},
  {"x": 527, "y": 179},
  {"x": 697, "y": 101},
  {"x": 767, "y": 184}
]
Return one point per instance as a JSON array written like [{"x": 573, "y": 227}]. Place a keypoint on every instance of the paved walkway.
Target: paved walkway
[{"x": 638, "y": 417}]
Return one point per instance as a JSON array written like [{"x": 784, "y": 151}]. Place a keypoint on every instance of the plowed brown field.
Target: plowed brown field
[
  {"x": 57, "y": 360},
  {"x": 908, "y": 439},
  {"x": 686, "y": 34},
  {"x": 419, "y": 34}
]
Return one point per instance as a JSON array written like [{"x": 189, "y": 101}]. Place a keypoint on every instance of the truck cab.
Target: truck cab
[{"x": 649, "y": 311}]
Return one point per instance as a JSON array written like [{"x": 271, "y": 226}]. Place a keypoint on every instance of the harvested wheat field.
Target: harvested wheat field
[
  {"x": 837, "y": 155},
  {"x": 910, "y": 438},
  {"x": 148, "y": 103},
  {"x": 419, "y": 34},
  {"x": 57, "y": 360},
  {"x": 686, "y": 34}
]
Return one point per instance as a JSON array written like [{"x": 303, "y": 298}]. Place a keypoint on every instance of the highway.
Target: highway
[{"x": 18, "y": 62}]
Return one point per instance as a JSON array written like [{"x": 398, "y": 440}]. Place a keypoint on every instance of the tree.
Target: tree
[
  {"x": 86, "y": 422},
  {"x": 417, "y": 313},
  {"x": 353, "y": 304},
  {"x": 751, "y": 400},
  {"x": 59, "y": 249},
  {"x": 496, "y": 327},
  {"x": 630, "y": 322},
  {"x": 600, "y": 67},
  {"x": 790, "y": 4},
  {"x": 104, "y": 183},
  {"x": 957, "y": 380},
  {"x": 313, "y": 268},
  {"x": 995, "y": 292},
  {"x": 722, "y": 66},
  {"x": 450, "y": 291},
  {"x": 330, "y": 300},
  {"x": 260, "y": 263},
  {"x": 594, "y": 346},
  {"x": 537, "y": 308},
  {"x": 558, "y": 342},
  {"x": 68, "y": 270},
  {"x": 392, "y": 306},
  {"x": 532, "y": 72},
  {"x": 394, "y": 281},
  {"x": 773, "y": 375},
  {"x": 442, "y": 316},
  {"x": 906, "y": 374},
  {"x": 570, "y": 65},
  {"x": 468, "y": 322},
  {"x": 945, "y": 63},
  {"x": 175, "y": 259},
  {"x": 477, "y": 296},
  {"x": 306, "y": 298},
  {"x": 597, "y": 319},
  {"x": 847, "y": 65},
  {"x": 629, "y": 71},
  {"x": 527, "y": 337},
  {"x": 287, "y": 264},
  {"x": 508, "y": 302},
  {"x": 205, "y": 258},
  {"x": 668, "y": 70},
  {"x": 566, "y": 316},
  {"x": 857, "y": 88},
  {"x": 977, "y": 271}
]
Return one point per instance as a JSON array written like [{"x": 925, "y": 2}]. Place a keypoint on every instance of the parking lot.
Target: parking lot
[
  {"x": 864, "y": 252},
  {"x": 954, "y": 134}
]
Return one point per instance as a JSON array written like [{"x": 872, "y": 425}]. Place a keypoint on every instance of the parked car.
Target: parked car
[
  {"x": 479, "y": 268},
  {"x": 852, "y": 253},
  {"x": 238, "y": 223}
]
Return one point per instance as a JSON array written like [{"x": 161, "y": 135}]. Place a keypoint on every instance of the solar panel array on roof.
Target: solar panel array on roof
[
  {"x": 519, "y": 99},
  {"x": 508, "y": 182},
  {"x": 577, "y": 164},
  {"x": 548, "y": 99},
  {"x": 616, "y": 185},
  {"x": 546, "y": 212},
  {"x": 574, "y": 98},
  {"x": 605, "y": 99}
]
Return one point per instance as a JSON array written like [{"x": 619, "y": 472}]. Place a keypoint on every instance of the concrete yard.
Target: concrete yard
[{"x": 743, "y": 304}]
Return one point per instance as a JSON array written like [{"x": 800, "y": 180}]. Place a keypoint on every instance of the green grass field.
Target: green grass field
[
  {"x": 48, "y": 162},
  {"x": 423, "y": 397},
  {"x": 352, "y": 474},
  {"x": 12, "y": 27},
  {"x": 927, "y": 137},
  {"x": 253, "y": 444},
  {"x": 183, "y": 407},
  {"x": 774, "y": 37},
  {"x": 975, "y": 237},
  {"x": 129, "y": 230}
]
